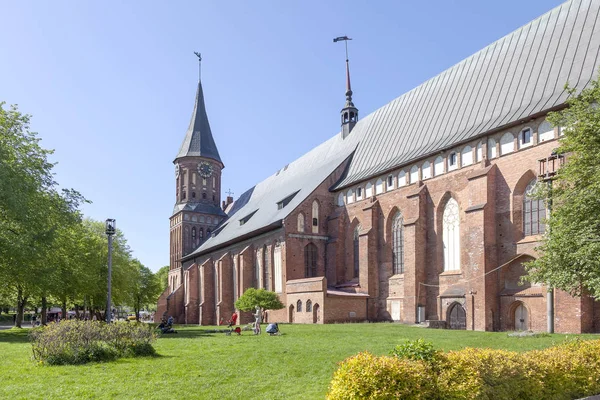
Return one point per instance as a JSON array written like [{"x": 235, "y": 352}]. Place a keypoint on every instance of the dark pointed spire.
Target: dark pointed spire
[
  {"x": 349, "y": 113},
  {"x": 198, "y": 141}
]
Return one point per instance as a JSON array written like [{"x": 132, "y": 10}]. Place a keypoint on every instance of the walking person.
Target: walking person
[{"x": 257, "y": 320}]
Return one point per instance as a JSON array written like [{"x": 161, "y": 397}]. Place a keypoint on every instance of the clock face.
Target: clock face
[
  {"x": 205, "y": 169},
  {"x": 176, "y": 170}
]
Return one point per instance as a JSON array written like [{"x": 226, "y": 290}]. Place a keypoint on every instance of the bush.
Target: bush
[
  {"x": 366, "y": 376},
  {"x": 416, "y": 350},
  {"x": 567, "y": 371},
  {"x": 79, "y": 342}
]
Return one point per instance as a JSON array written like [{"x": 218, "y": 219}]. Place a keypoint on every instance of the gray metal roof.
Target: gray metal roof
[
  {"x": 521, "y": 74},
  {"x": 301, "y": 176},
  {"x": 198, "y": 139},
  {"x": 206, "y": 208}
]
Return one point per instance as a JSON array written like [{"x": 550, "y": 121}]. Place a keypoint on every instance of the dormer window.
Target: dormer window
[
  {"x": 282, "y": 203},
  {"x": 247, "y": 217}
]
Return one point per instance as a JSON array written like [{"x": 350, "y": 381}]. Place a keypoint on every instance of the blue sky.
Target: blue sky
[{"x": 111, "y": 84}]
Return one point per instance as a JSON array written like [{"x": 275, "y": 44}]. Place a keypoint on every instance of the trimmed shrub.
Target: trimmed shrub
[
  {"x": 486, "y": 374},
  {"x": 79, "y": 342},
  {"x": 568, "y": 371},
  {"x": 366, "y": 376},
  {"x": 416, "y": 350}
]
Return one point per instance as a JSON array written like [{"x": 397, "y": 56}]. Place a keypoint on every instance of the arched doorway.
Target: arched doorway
[
  {"x": 316, "y": 314},
  {"x": 521, "y": 317},
  {"x": 291, "y": 312},
  {"x": 457, "y": 317}
]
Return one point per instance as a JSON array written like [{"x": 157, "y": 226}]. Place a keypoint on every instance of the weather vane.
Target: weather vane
[
  {"x": 345, "y": 39},
  {"x": 229, "y": 192},
  {"x": 199, "y": 64}
]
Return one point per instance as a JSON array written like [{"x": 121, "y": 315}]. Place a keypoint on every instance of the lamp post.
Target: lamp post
[{"x": 111, "y": 228}]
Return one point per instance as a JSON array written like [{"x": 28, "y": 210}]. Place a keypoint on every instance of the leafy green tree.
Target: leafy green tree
[
  {"x": 162, "y": 276},
  {"x": 146, "y": 289},
  {"x": 262, "y": 298},
  {"x": 570, "y": 250}
]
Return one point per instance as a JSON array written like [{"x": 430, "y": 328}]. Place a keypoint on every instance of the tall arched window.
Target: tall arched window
[
  {"x": 310, "y": 260},
  {"x": 256, "y": 271},
  {"x": 534, "y": 212},
  {"x": 315, "y": 217},
  {"x": 398, "y": 243},
  {"x": 300, "y": 222},
  {"x": 341, "y": 199},
  {"x": 451, "y": 236},
  {"x": 299, "y": 306},
  {"x": 426, "y": 170},
  {"x": 308, "y": 306},
  {"x": 438, "y": 166},
  {"x": 193, "y": 236},
  {"x": 201, "y": 234},
  {"x": 491, "y": 145},
  {"x": 356, "y": 252},
  {"x": 466, "y": 156},
  {"x": 266, "y": 268},
  {"x": 277, "y": 265}
]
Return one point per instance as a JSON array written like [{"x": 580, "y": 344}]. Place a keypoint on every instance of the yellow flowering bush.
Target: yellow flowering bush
[
  {"x": 568, "y": 371},
  {"x": 366, "y": 376}
]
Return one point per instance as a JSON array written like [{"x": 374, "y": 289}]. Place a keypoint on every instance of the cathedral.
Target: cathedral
[{"x": 420, "y": 212}]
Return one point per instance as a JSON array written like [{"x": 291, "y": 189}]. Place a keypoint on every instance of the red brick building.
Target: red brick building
[{"x": 418, "y": 212}]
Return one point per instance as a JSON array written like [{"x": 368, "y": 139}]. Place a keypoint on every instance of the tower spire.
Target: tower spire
[
  {"x": 200, "y": 65},
  {"x": 349, "y": 113}
]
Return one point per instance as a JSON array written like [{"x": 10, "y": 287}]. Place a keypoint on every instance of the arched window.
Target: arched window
[
  {"x": 194, "y": 235},
  {"x": 525, "y": 138},
  {"x": 308, "y": 306},
  {"x": 507, "y": 143},
  {"x": 369, "y": 190},
  {"x": 479, "y": 151},
  {"x": 300, "y": 222},
  {"x": 299, "y": 306},
  {"x": 359, "y": 193},
  {"x": 379, "y": 186},
  {"x": 277, "y": 273},
  {"x": 414, "y": 174},
  {"x": 491, "y": 148},
  {"x": 315, "y": 217},
  {"x": 356, "y": 252},
  {"x": 426, "y": 170},
  {"x": 350, "y": 196},
  {"x": 402, "y": 178},
  {"x": 534, "y": 212},
  {"x": 183, "y": 195},
  {"x": 451, "y": 236},
  {"x": 452, "y": 161},
  {"x": 310, "y": 260},
  {"x": 256, "y": 271},
  {"x": 193, "y": 195},
  {"x": 466, "y": 156},
  {"x": 398, "y": 243},
  {"x": 341, "y": 199},
  {"x": 390, "y": 182},
  {"x": 208, "y": 233},
  {"x": 202, "y": 219},
  {"x": 201, "y": 233},
  {"x": 266, "y": 268},
  {"x": 545, "y": 131},
  {"x": 438, "y": 166}
]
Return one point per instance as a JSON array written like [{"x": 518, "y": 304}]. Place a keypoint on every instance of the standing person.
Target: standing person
[
  {"x": 233, "y": 319},
  {"x": 257, "y": 320}
]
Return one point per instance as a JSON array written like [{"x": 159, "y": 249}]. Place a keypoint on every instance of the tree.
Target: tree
[
  {"x": 146, "y": 289},
  {"x": 162, "y": 277},
  {"x": 570, "y": 250},
  {"x": 262, "y": 298}
]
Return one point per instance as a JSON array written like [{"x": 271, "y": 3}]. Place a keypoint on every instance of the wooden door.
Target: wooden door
[{"x": 457, "y": 317}]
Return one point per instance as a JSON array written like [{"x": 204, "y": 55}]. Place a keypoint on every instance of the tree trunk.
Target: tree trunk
[
  {"x": 21, "y": 302},
  {"x": 64, "y": 308},
  {"x": 44, "y": 310},
  {"x": 137, "y": 309}
]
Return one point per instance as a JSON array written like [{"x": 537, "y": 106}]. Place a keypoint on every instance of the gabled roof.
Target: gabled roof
[
  {"x": 521, "y": 74},
  {"x": 258, "y": 207},
  {"x": 198, "y": 139}
]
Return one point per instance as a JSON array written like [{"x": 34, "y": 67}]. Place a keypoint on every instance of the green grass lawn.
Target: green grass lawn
[{"x": 200, "y": 365}]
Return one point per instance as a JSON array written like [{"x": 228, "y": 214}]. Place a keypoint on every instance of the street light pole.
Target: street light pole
[{"x": 111, "y": 228}]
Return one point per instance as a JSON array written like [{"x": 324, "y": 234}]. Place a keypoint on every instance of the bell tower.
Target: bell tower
[
  {"x": 349, "y": 114},
  {"x": 198, "y": 167}
]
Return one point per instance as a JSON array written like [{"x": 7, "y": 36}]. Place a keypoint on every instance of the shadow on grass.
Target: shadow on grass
[
  {"x": 14, "y": 335},
  {"x": 192, "y": 333}
]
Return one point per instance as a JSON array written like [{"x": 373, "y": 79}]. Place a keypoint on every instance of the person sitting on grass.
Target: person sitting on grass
[{"x": 273, "y": 329}]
